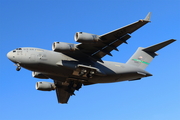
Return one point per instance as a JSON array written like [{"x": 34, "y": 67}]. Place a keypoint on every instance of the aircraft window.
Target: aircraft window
[
  {"x": 39, "y": 50},
  {"x": 18, "y": 48},
  {"x": 14, "y": 51}
]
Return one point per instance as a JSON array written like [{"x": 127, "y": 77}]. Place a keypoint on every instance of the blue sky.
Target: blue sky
[{"x": 39, "y": 23}]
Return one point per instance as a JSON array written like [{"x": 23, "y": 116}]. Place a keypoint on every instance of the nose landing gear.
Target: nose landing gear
[{"x": 18, "y": 67}]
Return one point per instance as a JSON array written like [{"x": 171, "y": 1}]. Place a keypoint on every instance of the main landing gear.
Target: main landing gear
[
  {"x": 82, "y": 72},
  {"x": 88, "y": 74},
  {"x": 71, "y": 86}
]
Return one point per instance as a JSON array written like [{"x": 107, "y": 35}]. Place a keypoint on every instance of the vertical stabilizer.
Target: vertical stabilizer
[{"x": 143, "y": 56}]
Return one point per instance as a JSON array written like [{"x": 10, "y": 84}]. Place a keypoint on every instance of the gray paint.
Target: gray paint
[{"x": 71, "y": 65}]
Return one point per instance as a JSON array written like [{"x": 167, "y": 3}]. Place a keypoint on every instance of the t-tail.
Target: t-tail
[{"x": 143, "y": 56}]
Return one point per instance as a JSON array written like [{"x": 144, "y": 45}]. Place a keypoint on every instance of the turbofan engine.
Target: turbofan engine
[
  {"x": 63, "y": 47},
  {"x": 86, "y": 38},
  {"x": 45, "y": 86},
  {"x": 39, "y": 75}
]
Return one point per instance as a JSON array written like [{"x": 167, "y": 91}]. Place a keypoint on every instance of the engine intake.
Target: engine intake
[
  {"x": 63, "y": 47},
  {"x": 45, "y": 86},
  {"x": 39, "y": 75},
  {"x": 86, "y": 38}
]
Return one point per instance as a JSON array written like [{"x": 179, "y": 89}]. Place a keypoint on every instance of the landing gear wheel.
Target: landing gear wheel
[
  {"x": 18, "y": 68},
  {"x": 82, "y": 72},
  {"x": 90, "y": 74}
]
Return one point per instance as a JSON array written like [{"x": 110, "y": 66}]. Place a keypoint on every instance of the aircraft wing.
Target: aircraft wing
[
  {"x": 63, "y": 92},
  {"x": 110, "y": 41},
  {"x": 62, "y": 95}
]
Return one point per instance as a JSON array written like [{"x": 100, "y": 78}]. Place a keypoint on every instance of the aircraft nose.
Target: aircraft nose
[{"x": 10, "y": 56}]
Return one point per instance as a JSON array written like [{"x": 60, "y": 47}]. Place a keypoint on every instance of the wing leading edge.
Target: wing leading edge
[{"x": 110, "y": 41}]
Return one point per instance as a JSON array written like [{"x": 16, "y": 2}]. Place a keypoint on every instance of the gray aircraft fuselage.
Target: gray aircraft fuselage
[
  {"x": 72, "y": 65},
  {"x": 59, "y": 64}
]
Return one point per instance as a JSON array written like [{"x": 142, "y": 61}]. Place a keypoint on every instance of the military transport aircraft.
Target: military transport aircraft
[{"x": 72, "y": 65}]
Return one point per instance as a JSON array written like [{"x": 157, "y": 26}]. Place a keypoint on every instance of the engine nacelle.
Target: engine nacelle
[
  {"x": 63, "y": 47},
  {"x": 86, "y": 38},
  {"x": 39, "y": 75},
  {"x": 45, "y": 86}
]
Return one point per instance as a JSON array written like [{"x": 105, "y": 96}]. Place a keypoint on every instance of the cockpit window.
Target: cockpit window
[
  {"x": 18, "y": 48},
  {"x": 14, "y": 51}
]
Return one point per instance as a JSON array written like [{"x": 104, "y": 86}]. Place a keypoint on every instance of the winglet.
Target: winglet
[{"x": 147, "y": 18}]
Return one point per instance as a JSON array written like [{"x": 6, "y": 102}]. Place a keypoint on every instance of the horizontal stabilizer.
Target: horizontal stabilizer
[
  {"x": 143, "y": 56},
  {"x": 157, "y": 47}
]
